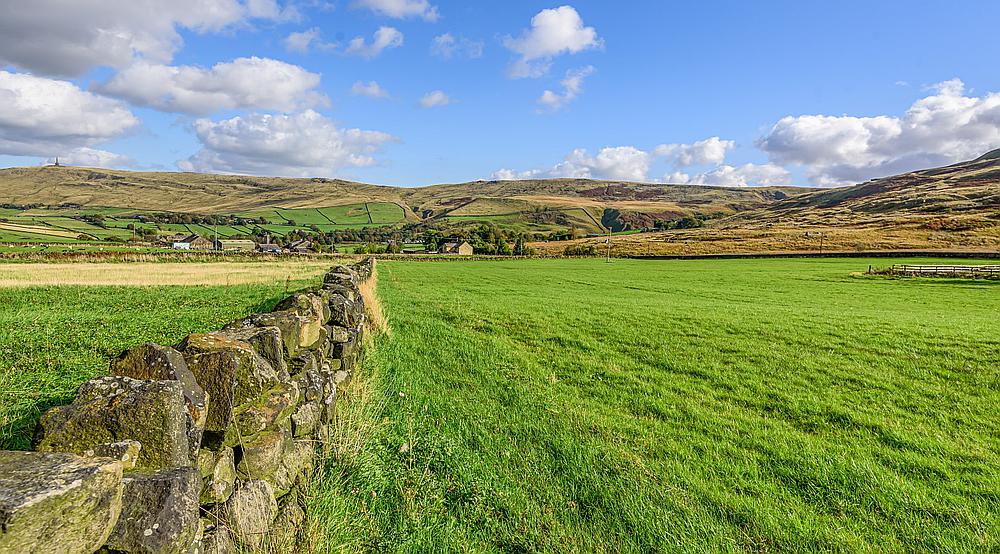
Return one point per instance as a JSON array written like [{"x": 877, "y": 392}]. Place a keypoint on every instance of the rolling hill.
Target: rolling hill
[
  {"x": 964, "y": 195},
  {"x": 589, "y": 206},
  {"x": 953, "y": 207}
]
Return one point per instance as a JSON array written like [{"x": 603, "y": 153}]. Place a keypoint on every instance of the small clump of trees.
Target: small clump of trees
[{"x": 580, "y": 250}]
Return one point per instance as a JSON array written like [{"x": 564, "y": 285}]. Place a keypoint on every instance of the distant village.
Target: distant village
[{"x": 302, "y": 246}]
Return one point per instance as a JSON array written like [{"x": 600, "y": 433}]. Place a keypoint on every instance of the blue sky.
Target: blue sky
[{"x": 726, "y": 93}]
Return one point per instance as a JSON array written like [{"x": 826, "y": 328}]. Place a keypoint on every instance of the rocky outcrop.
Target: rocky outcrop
[{"x": 191, "y": 448}]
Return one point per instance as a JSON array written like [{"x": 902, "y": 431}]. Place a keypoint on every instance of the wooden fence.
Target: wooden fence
[{"x": 973, "y": 271}]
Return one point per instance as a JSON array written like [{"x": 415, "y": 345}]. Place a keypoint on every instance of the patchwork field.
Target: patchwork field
[
  {"x": 55, "y": 335},
  {"x": 68, "y": 226},
  {"x": 727, "y": 405}
]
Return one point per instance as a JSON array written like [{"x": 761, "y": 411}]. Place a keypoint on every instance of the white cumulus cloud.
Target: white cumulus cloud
[
  {"x": 709, "y": 151},
  {"x": 572, "y": 85},
  {"x": 746, "y": 175},
  {"x": 434, "y": 99},
  {"x": 58, "y": 37},
  {"x": 247, "y": 83},
  {"x": 448, "y": 46},
  {"x": 371, "y": 89},
  {"x": 305, "y": 41},
  {"x": 553, "y": 32},
  {"x": 624, "y": 163},
  {"x": 48, "y": 118},
  {"x": 628, "y": 163},
  {"x": 400, "y": 9},
  {"x": 296, "y": 145},
  {"x": 384, "y": 38},
  {"x": 946, "y": 127}
]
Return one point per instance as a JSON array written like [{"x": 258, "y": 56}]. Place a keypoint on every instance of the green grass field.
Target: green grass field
[
  {"x": 52, "y": 339},
  {"x": 651, "y": 406}
]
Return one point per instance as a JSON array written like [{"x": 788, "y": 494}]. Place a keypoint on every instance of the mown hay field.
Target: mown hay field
[
  {"x": 157, "y": 274},
  {"x": 651, "y": 406},
  {"x": 55, "y": 334}
]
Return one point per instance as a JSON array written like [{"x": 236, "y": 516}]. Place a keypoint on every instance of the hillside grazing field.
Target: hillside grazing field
[
  {"x": 649, "y": 406},
  {"x": 55, "y": 337}
]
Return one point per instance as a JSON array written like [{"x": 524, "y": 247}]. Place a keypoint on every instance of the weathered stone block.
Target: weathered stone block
[
  {"x": 230, "y": 370},
  {"x": 348, "y": 348},
  {"x": 306, "y": 419},
  {"x": 262, "y": 455},
  {"x": 329, "y": 406},
  {"x": 308, "y": 305},
  {"x": 341, "y": 276},
  {"x": 331, "y": 289},
  {"x": 126, "y": 452},
  {"x": 297, "y": 330},
  {"x": 306, "y": 360},
  {"x": 57, "y": 502},
  {"x": 344, "y": 312},
  {"x": 216, "y": 540},
  {"x": 219, "y": 473},
  {"x": 114, "y": 408},
  {"x": 271, "y": 410},
  {"x": 339, "y": 334},
  {"x": 311, "y": 383},
  {"x": 296, "y": 461},
  {"x": 152, "y": 361},
  {"x": 286, "y": 532},
  {"x": 341, "y": 377},
  {"x": 159, "y": 512},
  {"x": 250, "y": 511},
  {"x": 268, "y": 342}
]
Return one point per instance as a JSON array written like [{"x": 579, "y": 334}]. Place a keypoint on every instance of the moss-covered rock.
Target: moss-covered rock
[
  {"x": 230, "y": 370},
  {"x": 268, "y": 342},
  {"x": 262, "y": 455},
  {"x": 126, "y": 452},
  {"x": 159, "y": 512},
  {"x": 287, "y": 531},
  {"x": 153, "y": 361},
  {"x": 271, "y": 410},
  {"x": 217, "y": 539},
  {"x": 296, "y": 462},
  {"x": 311, "y": 383},
  {"x": 345, "y": 313},
  {"x": 57, "y": 502},
  {"x": 114, "y": 408},
  {"x": 249, "y": 512},
  {"x": 219, "y": 475},
  {"x": 306, "y": 419}
]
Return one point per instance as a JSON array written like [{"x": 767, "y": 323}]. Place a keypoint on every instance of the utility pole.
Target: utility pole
[{"x": 609, "y": 244}]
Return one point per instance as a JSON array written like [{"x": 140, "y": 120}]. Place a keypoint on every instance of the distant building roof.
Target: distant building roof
[{"x": 454, "y": 247}]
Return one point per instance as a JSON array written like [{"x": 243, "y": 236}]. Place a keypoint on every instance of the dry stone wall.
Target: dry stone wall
[{"x": 201, "y": 447}]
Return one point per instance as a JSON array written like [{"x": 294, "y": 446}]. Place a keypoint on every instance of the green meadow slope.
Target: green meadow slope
[{"x": 653, "y": 406}]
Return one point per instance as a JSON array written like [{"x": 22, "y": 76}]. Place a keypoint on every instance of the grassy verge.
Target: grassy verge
[
  {"x": 725, "y": 405},
  {"x": 52, "y": 338}
]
